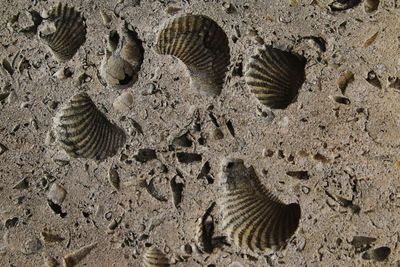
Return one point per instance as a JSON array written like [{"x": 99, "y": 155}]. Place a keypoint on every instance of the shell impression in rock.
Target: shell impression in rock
[
  {"x": 153, "y": 257},
  {"x": 122, "y": 60},
  {"x": 252, "y": 216},
  {"x": 64, "y": 31},
  {"x": 83, "y": 131},
  {"x": 202, "y": 45},
  {"x": 275, "y": 76}
]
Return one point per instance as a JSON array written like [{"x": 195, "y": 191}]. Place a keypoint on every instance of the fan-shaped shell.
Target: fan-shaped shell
[
  {"x": 122, "y": 60},
  {"x": 202, "y": 45},
  {"x": 63, "y": 32},
  {"x": 84, "y": 132},
  {"x": 153, "y": 257},
  {"x": 252, "y": 216},
  {"x": 275, "y": 76}
]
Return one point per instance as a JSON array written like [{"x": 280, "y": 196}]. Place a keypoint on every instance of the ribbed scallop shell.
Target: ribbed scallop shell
[
  {"x": 153, "y": 257},
  {"x": 84, "y": 132},
  {"x": 275, "y": 76},
  {"x": 63, "y": 32},
  {"x": 252, "y": 216},
  {"x": 122, "y": 59},
  {"x": 202, "y": 45}
]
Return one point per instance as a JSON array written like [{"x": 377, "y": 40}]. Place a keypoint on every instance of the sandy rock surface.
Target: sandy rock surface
[{"x": 344, "y": 138}]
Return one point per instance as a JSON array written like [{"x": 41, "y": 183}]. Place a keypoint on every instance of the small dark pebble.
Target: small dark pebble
[
  {"x": 56, "y": 208},
  {"x": 11, "y": 222},
  {"x": 184, "y": 157},
  {"x": 302, "y": 175},
  {"x": 378, "y": 254},
  {"x": 145, "y": 155}
]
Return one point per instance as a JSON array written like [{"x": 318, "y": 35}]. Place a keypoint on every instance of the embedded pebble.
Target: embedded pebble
[
  {"x": 149, "y": 89},
  {"x": 305, "y": 189},
  {"x": 123, "y": 102},
  {"x": 57, "y": 194}
]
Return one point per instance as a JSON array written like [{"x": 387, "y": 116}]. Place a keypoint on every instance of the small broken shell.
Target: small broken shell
[
  {"x": 344, "y": 79},
  {"x": 113, "y": 178},
  {"x": 275, "y": 76},
  {"x": 372, "y": 79},
  {"x": 48, "y": 237},
  {"x": 64, "y": 31},
  {"x": 370, "y": 39},
  {"x": 153, "y": 257},
  {"x": 371, "y": 5},
  {"x": 341, "y": 5},
  {"x": 205, "y": 231},
  {"x": 177, "y": 186},
  {"x": 202, "y": 46},
  {"x": 378, "y": 254},
  {"x": 77, "y": 256},
  {"x": 253, "y": 217},
  {"x": 83, "y": 131},
  {"x": 122, "y": 60},
  {"x": 393, "y": 82}
]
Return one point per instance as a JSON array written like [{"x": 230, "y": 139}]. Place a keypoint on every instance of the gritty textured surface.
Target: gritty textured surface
[{"x": 350, "y": 152}]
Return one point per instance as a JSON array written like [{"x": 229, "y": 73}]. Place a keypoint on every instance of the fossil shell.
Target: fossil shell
[
  {"x": 63, "y": 32},
  {"x": 153, "y": 257},
  {"x": 252, "y": 216},
  {"x": 202, "y": 45},
  {"x": 122, "y": 60},
  {"x": 275, "y": 76},
  {"x": 85, "y": 132}
]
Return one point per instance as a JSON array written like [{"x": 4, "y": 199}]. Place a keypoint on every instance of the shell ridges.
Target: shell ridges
[
  {"x": 84, "y": 132},
  {"x": 202, "y": 46},
  {"x": 275, "y": 76},
  {"x": 153, "y": 257},
  {"x": 67, "y": 34},
  {"x": 253, "y": 217}
]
